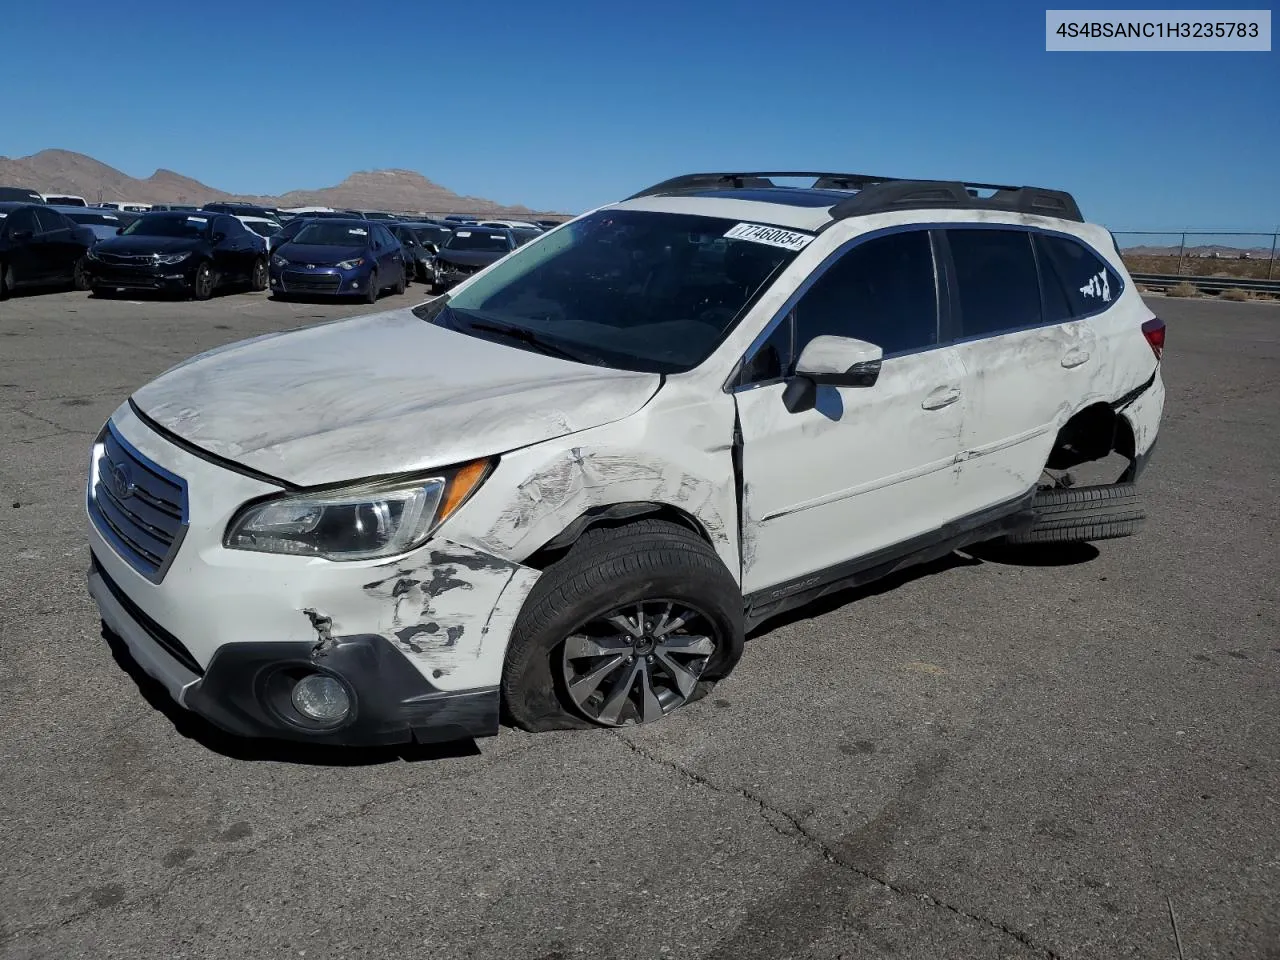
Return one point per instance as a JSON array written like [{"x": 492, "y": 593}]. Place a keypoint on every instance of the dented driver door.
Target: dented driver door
[{"x": 866, "y": 469}]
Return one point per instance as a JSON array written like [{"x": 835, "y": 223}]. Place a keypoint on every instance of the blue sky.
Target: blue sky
[{"x": 565, "y": 105}]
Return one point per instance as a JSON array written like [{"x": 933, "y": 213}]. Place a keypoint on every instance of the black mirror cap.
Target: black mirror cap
[{"x": 859, "y": 375}]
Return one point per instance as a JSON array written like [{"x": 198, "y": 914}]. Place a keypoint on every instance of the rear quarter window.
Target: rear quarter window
[{"x": 1077, "y": 282}]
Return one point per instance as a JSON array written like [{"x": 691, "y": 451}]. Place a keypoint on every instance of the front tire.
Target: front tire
[
  {"x": 6, "y": 281},
  {"x": 401, "y": 284},
  {"x": 203, "y": 282},
  {"x": 371, "y": 292},
  {"x": 258, "y": 278},
  {"x": 80, "y": 279},
  {"x": 631, "y": 624}
]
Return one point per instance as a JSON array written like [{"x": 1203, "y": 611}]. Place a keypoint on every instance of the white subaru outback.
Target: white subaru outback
[{"x": 562, "y": 493}]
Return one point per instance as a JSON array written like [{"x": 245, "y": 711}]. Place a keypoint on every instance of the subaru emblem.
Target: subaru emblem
[{"x": 122, "y": 484}]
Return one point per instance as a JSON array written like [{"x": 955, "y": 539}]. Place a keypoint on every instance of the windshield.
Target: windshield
[
  {"x": 263, "y": 229},
  {"x": 333, "y": 235},
  {"x": 642, "y": 291},
  {"x": 477, "y": 240},
  {"x": 436, "y": 235},
  {"x": 168, "y": 225},
  {"x": 104, "y": 219}
]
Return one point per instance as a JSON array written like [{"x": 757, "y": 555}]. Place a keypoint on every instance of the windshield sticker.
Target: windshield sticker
[
  {"x": 358, "y": 232},
  {"x": 197, "y": 219},
  {"x": 463, "y": 233},
  {"x": 773, "y": 236}
]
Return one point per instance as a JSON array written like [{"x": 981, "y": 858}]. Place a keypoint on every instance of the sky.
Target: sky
[{"x": 566, "y": 105}]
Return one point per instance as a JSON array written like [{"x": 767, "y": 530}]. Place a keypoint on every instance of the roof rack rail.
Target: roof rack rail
[{"x": 885, "y": 194}]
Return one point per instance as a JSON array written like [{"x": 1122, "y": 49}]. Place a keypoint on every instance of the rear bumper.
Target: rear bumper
[{"x": 244, "y": 688}]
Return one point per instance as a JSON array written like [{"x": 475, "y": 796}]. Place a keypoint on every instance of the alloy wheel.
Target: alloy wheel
[{"x": 638, "y": 662}]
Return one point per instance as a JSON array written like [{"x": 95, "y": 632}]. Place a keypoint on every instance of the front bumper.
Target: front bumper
[
  {"x": 172, "y": 277},
  {"x": 238, "y": 692},
  {"x": 419, "y": 640},
  {"x": 320, "y": 281}
]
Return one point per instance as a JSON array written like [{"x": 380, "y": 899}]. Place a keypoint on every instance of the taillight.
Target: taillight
[{"x": 1153, "y": 330}]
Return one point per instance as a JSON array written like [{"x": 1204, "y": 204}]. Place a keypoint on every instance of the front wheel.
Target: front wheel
[
  {"x": 202, "y": 284},
  {"x": 6, "y": 281},
  {"x": 371, "y": 292},
  {"x": 631, "y": 624},
  {"x": 258, "y": 278},
  {"x": 80, "y": 279}
]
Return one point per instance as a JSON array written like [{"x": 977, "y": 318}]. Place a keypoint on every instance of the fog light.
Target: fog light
[{"x": 321, "y": 698}]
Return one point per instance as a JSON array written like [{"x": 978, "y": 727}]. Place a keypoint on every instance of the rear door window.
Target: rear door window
[
  {"x": 997, "y": 280},
  {"x": 1076, "y": 280},
  {"x": 22, "y": 221}
]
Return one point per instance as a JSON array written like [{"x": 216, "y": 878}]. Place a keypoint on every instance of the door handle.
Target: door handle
[
  {"x": 1074, "y": 358},
  {"x": 941, "y": 397}
]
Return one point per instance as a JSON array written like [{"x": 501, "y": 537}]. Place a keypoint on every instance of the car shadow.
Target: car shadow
[
  {"x": 194, "y": 727},
  {"x": 847, "y": 595},
  {"x": 1035, "y": 555},
  {"x": 1038, "y": 555},
  {"x": 171, "y": 296}
]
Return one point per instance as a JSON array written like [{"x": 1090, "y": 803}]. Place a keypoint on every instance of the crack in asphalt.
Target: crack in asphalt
[{"x": 796, "y": 831}]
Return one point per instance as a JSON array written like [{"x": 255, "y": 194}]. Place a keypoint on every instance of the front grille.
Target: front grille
[
  {"x": 172, "y": 645},
  {"x": 140, "y": 507},
  {"x": 462, "y": 269},
  {"x": 125, "y": 258},
  {"x": 325, "y": 282}
]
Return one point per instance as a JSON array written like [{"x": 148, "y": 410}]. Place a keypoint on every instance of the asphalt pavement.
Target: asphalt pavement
[{"x": 1069, "y": 755}]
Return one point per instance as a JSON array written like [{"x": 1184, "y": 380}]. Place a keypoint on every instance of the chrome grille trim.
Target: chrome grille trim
[{"x": 146, "y": 519}]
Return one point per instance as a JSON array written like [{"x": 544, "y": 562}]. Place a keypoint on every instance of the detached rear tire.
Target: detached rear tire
[
  {"x": 1084, "y": 514},
  {"x": 579, "y": 627}
]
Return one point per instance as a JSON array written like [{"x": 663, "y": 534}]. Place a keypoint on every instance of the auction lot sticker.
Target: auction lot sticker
[{"x": 773, "y": 236}]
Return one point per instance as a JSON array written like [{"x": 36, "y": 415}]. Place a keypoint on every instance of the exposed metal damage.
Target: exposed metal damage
[{"x": 449, "y": 610}]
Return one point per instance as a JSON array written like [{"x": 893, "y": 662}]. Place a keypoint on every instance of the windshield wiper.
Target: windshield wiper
[{"x": 527, "y": 337}]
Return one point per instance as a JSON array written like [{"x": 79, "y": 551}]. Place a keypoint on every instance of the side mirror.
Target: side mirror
[
  {"x": 431, "y": 248},
  {"x": 119, "y": 230},
  {"x": 834, "y": 362},
  {"x": 218, "y": 236}
]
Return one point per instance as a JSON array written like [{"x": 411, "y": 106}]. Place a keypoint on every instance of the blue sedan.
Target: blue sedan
[{"x": 339, "y": 258}]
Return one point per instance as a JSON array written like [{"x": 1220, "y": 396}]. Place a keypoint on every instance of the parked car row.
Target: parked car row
[{"x": 195, "y": 251}]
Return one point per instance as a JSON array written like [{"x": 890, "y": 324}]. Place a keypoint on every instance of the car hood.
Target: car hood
[
  {"x": 319, "y": 253},
  {"x": 380, "y": 394},
  {"x": 135, "y": 246},
  {"x": 471, "y": 258}
]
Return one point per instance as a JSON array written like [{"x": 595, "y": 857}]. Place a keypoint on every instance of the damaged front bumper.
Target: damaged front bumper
[{"x": 417, "y": 642}]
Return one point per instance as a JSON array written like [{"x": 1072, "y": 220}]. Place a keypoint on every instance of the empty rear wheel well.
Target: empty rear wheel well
[
  {"x": 1091, "y": 434},
  {"x": 613, "y": 515}
]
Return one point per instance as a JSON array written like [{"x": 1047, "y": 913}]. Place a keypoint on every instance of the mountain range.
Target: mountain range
[{"x": 401, "y": 191}]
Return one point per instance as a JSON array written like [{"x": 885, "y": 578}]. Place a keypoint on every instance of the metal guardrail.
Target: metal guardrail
[{"x": 1207, "y": 284}]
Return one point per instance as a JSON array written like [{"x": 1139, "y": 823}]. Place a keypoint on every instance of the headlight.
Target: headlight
[
  {"x": 351, "y": 264},
  {"x": 279, "y": 261},
  {"x": 356, "y": 523},
  {"x": 168, "y": 258}
]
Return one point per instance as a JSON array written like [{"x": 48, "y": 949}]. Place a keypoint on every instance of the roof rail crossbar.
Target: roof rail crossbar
[
  {"x": 737, "y": 181},
  {"x": 942, "y": 194},
  {"x": 883, "y": 194}
]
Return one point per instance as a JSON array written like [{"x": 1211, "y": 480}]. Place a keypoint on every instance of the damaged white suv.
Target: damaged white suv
[{"x": 563, "y": 492}]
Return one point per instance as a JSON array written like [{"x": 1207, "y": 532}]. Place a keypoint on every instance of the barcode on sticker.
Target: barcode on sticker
[{"x": 774, "y": 236}]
